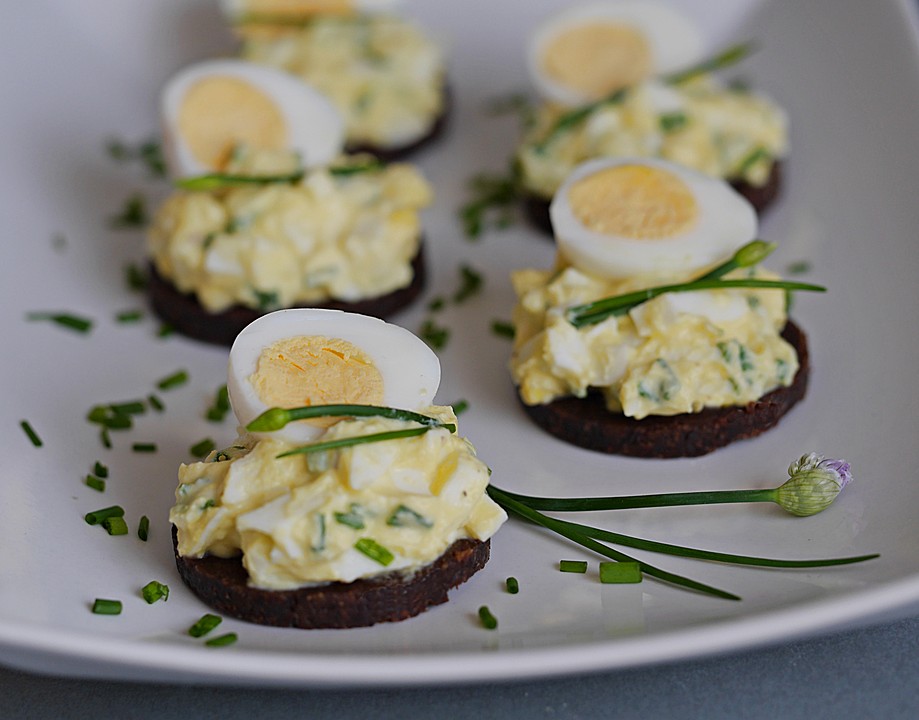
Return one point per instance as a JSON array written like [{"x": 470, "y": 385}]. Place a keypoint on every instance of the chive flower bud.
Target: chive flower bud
[
  {"x": 753, "y": 253},
  {"x": 813, "y": 484}
]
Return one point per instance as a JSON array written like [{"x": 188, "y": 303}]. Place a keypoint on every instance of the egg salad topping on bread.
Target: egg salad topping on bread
[{"x": 340, "y": 235}]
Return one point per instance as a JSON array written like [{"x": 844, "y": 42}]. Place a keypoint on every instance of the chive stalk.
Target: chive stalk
[
  {"x": 154, "y": 591},
  {"x": 356, "y": 440},
  {"x": 512, "y": 585},
  {"x": 222, "y": 640},
  {"x": 67, "y": 320},
  {"x": 140, "y": 447},
  {"x": 619, "y": 572},
  {"x": 96, "y": 517},
  {"x": 143, "y": 528},
  {"x": 180, "y": 377},
  {"x": 572, "y": 566},
  {"x": 204, "y": 625},
  {"x": 222, "y": 181},
  {"x": 372, "y": 549},
  {"x": 30, "y": 432},
  {"x": 277, "y": 418},
  {"x": 115, "y": 525},
  {"x": 489, "y": 621},
  {"x": 101, "y": 606},
  {"x": 579, "y": 115},
  {"x": 95, "y": 483},
  {"x": 202, "y": 449}
]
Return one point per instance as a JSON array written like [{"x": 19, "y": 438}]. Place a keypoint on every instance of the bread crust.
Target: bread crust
[
  {"x": 222, "y": 583},
  {"x": 586, "y": 422},
  {"x": 536, "y": 207},
  {"x": 186, "y": 315}
]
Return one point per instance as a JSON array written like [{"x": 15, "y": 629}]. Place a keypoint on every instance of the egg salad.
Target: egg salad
[
  {"x": 345, "y": 231},
  {"x": 676, "y": 353},
  {"x": 381, "y": 72},
  {"x": 348, "y": 510}
]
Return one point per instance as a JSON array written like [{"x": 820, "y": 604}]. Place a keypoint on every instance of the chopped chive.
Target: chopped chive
[
  {"x": 356, "y": 440},
  {"x": 144, "y": 447},
  {"x": 437, "y": 304},
  {"x": 404, "y": 516},
  {"x": 799, "y": 268},
  {"x": 105, "y": 438},
  {"x": 751, "y": 159},
  {"x": 572, "y": 566},
  {"x": 504, "y": 329},
  {"x": 156, "y": 403},
  {"x": 201, "y": 449},
  {"x": 106, "y": 607},
  {"x": 498, "y": 193},
  {"x": 132, "y": 407},
  {"x": 513, "y": 587},
  {"x": 115, "y": 525},
  {"x": 143, "y": 528},
  {"x": 73, "y": 322},
  {"x": 352, "y": 519},
  {"x": 96, "y": 517},
  {"x": 204, "y": 625},
  {"x": 620, "y": 572},
  {"x": 178, "y": 378},
  {"x": 95, "y": 483},
  {"x": 165, "y": 330},
  {"x": 460, "y": 406},
  {"x": 220, "y": 181},
  {"x": 133, "y": 214},
  {"x": 153, "y": 591},
  {"x": 372, "y": 549},
  {"x": 135, "y": 278},
  {"x": 28, "y": 430},
  {"x": 489, "y": 621},
  {"x": 129, "y": 316},
  {"x": 471, "y": 281},
  {"x": 148, "y": 152},
  {"x": 434, "y": 335},
  {"x": 218, "y": 411},
  {"x": 222, "y": 640},
  {"x": 671, "y": 122},
  {"x": 100, "y": 470}
]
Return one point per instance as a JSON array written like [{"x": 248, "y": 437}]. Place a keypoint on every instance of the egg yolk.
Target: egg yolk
[
  {"x": 316, "y": 370},
  {"x": 634, "y": 201},
  {"x": 597, "y": 59},
  {"x": 300, "y": 7},
  {"x": 218, "y": 113}
]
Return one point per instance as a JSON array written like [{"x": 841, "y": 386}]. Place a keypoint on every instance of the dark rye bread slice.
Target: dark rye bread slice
[
  {"x": 222, "y": 584},
  {"x": 587, "y": 423},
  {"x": 186, "y": 315},
  {"x": 536, "y": 207}
]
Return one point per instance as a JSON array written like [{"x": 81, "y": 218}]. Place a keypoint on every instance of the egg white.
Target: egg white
[
  {"x": 726, "y": 221},
  {"x": 234, "y": 9},
  {"x": 675, "y": 40},
  {"x": 314, "y": 126},
  {"x": 410, "y": 369}
]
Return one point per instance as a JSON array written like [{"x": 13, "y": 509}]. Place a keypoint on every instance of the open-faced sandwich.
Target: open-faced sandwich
[
  {"x": 656, "y": 334},
  {"x": 628, "y": 78},
  {"x": 384, "y": 75},
  {"x": 269, "y": 214},
  {"x": 351, "y": 499}
]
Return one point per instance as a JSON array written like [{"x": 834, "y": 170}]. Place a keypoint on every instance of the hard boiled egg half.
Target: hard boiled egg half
[
  {"x": 210, "y": 108},
  {"x": 628, "y": 217},
  {"x": 301, "y": 357},
  {"x": 589, "y": 51},
  {"x": 298, "y": 8}
]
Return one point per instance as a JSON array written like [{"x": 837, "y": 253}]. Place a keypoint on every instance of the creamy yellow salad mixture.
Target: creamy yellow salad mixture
[
  {"x": 297, "y": 520},
  {"x": 335, "y": 234},
  {"x": 382, "y": 73},
  {"x": 723, "y": 132}
]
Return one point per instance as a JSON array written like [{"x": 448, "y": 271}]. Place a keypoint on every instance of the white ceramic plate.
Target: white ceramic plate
[{"x": 76, "y": 74}]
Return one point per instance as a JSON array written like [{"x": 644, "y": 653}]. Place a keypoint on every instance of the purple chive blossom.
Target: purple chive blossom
[{"x": 813, "y": 484}]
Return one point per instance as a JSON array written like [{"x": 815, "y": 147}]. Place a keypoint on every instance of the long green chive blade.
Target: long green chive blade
[
  {"x": 203, "y": 448},
  {"x": 115, "y": 525},
  {"x": 357, "y": 440},
  {"x": 376, "y": 552},
  {"x": 143, "y": 528},
  {"x": 572, "y": 566},
  {"x": 30, "y": 433},
  {"x": 730, "y": 56},
  {"x": 578, "y": 115},
  {"x": 753, "y": 253},
  {"x": 153, "y": 591},
  {"x": 620, "y": 572},
  {"x": 180, "y": 377},
  {"x": 220, "y": 181},
  {"x": 371, "y": 165},
  {"x": 512, "y": 585},
  {"x": 204, "y": 625},
  {"x": 277, "y": 418},
  {"x": 489, "y": 621},
  {"x": 96, "y": 517},
  {"x": 144, "y": 447},
  {"x": 101, "y": 606},
  {"x": 222, "y": 640},
  {"x": 590, "y": 504},
  {"x": 95, "y": 483},
  {"x": 67, "y": 320}
]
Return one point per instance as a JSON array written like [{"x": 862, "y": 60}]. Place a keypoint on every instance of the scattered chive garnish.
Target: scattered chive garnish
[
  {"x": 579, "y": 115},
  {"x": 132, "y": 407},
  {"x": 105, "y": 438},
  {"x": 504, "y": 329},
  {"x": 751, "y": 159},
  {"x": 73, "y": 322},
  {"x": 434, "y": 335},
  {"x": 96, "y": 517},
  {"x": 356, "y": 440},
  {"x": 100, "y": 470},
  {"x": 153, "y": 591},
  {"x": 133, "y": 214},
  {"x": 148, "y": 152},
  {"x": 370, "y": 165},
  {"x": 222, "y": 640},
  {"x": 220, "y": 181},
  {"x": 437, "y": 304},
  {"x": 572, "y": 566},
  {"x": 115, "y": 525},
  {"x": 135, "y": 277},
  {"x": 799, "y": 268},
  {"x": 165, "y": 330},
  {"x": 201, "y": 449},
  {"x": 30, "y": 432},
  {"x": 106, "y": 607},
  {"x": 372, "y": 549},
  {"x": 95, "y": 483},
  {"x": 460, "y": 406},
  {"x": 218, "y": 411},
  {"x": 156, "y": 403},
  {"x": 513, "y": 587},
  {"x": 178, "y": 378},
  {"x": 204, "y": 625},
  {"x": 489, "y": 621},
  {"x": 470, "y": 283},
  {"x": 673, "y": 121},
  {"x": 144, "y": 447},
  {"x": 277, "y": 418},
  {"x": 129, "y": 316},
  {"x": 620, "y": 572},
  {"x": 499, "y": 193},
  {"x": 143, "y": 528}
]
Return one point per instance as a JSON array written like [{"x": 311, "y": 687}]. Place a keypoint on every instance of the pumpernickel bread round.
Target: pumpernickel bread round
[
  {"x": 186, "y": 315},
  {"x": 222, "y": 583},
  {"x": 536, "y": 207},
  {"x": 587, "y": 422}
]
